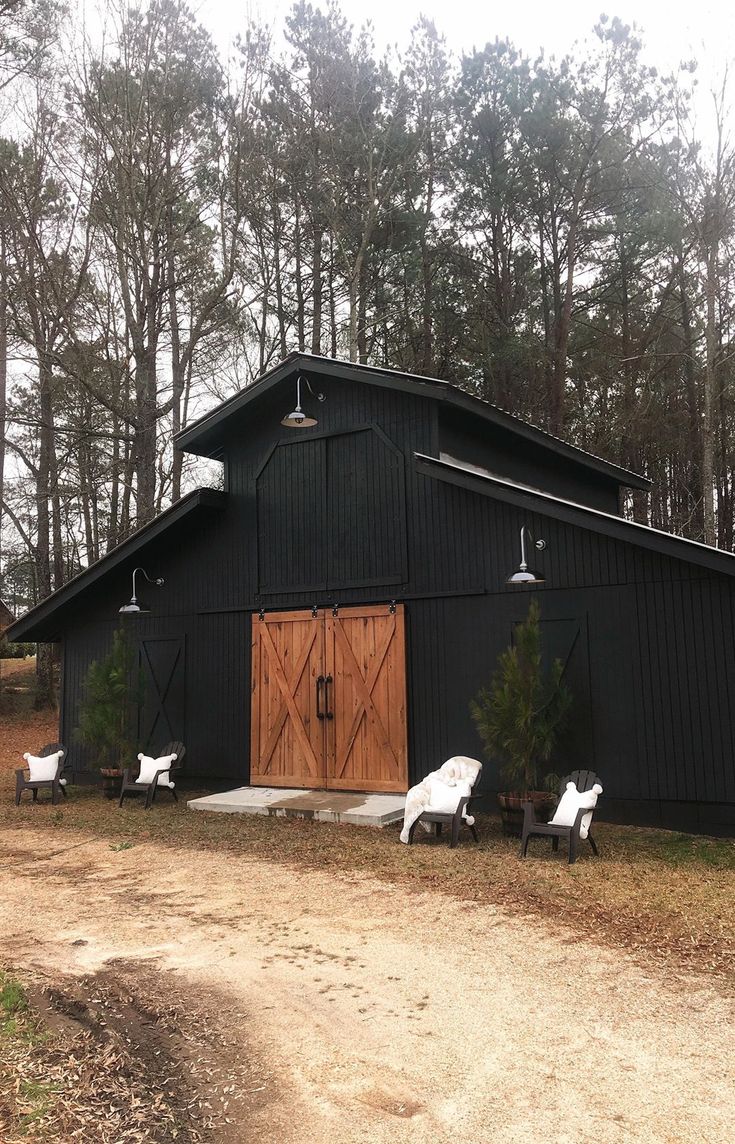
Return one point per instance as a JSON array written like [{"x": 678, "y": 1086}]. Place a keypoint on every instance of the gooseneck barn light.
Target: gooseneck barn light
[
  {"x": 524, "y": 575},
  {"x": 135, "y": 606},
  {"x": 298, "y": 419}
]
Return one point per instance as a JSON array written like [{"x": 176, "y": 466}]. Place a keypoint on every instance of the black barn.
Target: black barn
[{"x": 326, "y": 619}]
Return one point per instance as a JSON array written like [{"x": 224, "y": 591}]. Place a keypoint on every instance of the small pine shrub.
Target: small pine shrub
[
  {"x": 113, "y": 692},
  {"x": 521, "y": 713}
]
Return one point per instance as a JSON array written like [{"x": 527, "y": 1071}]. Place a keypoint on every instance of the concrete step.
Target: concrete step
[{"x": 360, "y": 808}]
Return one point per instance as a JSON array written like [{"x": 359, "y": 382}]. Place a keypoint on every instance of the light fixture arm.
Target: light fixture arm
[
  {"x": 158, "y": 581},
  {"x": 318, "y": 396},
  {"x": 539, "y": 544}
]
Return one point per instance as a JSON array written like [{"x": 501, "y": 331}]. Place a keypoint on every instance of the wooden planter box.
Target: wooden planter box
[
  {"x": 110, "y": 779},
  {"x": 511, "y": 809}
]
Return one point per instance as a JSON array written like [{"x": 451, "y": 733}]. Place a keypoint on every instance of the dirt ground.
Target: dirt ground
[{"x": 320, "y": 1006}]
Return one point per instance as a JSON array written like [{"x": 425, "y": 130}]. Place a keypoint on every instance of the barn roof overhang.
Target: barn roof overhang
[
  {"x": 207, "y": 435},
  {"x": 43, "y": 621},
  {"x": 569, "y": 512}
]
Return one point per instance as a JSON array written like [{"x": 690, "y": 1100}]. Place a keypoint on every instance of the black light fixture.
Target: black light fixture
[
  {"x": 298, "y": 419},
  {"x": 524, "y": 575},
  {"x": 135, "y": 606}
]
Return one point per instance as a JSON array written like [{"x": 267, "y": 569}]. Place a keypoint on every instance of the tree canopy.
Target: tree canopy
[{"x": 550, "y": 234}]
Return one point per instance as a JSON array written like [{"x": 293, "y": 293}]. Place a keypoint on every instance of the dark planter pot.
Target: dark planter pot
[
  {"x": 110, "y": 781},
  {"x": 511, "y": 809}
]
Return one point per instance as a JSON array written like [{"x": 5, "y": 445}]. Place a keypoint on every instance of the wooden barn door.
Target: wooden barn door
[
  {"x": 286, "y": 737},
  {"x": 366, "y": 656},
  {"x": 329, "y": 699}
]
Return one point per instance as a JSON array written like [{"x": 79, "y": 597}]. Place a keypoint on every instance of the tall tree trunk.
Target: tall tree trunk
[
  {"x": 44, "y": 661},
  {"x": 694, "y": 481},
  {"x": 709, "y": 398},
  {"x": 427, "y": 301},
  {"x": 316, "y": 247},
  {"x": 563, "y": 326},
  {"x": 298, "y": 275},
  {"x": 177, "y": 379},
  {"x": 362, "y": 340},
  {"x": 3, "y": 384}
]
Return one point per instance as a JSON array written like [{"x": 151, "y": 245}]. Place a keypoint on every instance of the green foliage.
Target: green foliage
[
  {"x": 113, "y": 692},
  {"x": 12, "y": 997},
  {"x": 520, "y": 715},
  {"x": 10, "y": 650}
]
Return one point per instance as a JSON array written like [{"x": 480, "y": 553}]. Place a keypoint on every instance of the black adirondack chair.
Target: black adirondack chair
[
  {"x": 57, "y": 784},
  {"x": 130, "y": 785},
  {"x": 455, "y": 820},
  {"x": 583, "y": 780}
]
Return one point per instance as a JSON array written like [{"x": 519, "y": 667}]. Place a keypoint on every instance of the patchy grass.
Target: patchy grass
[
  {"x": 663, "y": 896},
  {"x": 104, "y": 1058}
]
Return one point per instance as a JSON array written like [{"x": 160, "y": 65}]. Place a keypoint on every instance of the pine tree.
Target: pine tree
[
  {"x": 113, "y": 692},
  {"x": 520, "y": 715}
]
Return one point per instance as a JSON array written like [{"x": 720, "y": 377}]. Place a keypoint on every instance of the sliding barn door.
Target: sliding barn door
[
  {"x": 366, "y": 657},
  {"x": 287, "y": 738},
  {"x": 329, "y": 699}
]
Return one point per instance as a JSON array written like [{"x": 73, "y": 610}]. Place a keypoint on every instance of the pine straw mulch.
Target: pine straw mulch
[
  {"x": 104, "y": 1058},
  {"x": 664, "y": 897}
]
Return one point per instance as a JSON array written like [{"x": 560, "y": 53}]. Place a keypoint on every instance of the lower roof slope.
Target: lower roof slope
[
  {"x": 617, "y": 527},
  {"x": 39, "y": 623}
]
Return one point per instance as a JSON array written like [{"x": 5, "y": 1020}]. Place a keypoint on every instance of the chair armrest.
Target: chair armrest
[
  {"x": 580, "y": 815},
  {"x": 529, "y": 814},
  {"x": 461, "y": 805},
  {"x": 163, "y": 771},
  {"x": 126, "y": 774},
  {"x": 21, "y": 773}
]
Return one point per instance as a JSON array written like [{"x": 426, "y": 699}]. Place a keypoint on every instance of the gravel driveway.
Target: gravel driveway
[{"x": 379, "y": 1016}]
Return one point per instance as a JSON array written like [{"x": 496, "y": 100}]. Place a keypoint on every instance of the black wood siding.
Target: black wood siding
[
  {"x": 650, "y": 639},
  {"x": 491, "y": 447}
]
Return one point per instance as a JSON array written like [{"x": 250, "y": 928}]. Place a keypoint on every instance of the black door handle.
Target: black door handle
[
  {"x": 320, "y": 680},
  {"x": 327, "y": 680}
]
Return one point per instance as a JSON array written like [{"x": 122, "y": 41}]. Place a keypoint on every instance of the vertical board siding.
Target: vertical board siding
[{"x": 659, "y": 632}]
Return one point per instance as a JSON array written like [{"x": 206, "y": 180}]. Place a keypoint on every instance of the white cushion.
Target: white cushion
[
  {"x": 571, "y": 802},
  {"x": 149, "y": 766},
  {"x": 443, "y": 798},
  {"x": 43, "y": 769}
]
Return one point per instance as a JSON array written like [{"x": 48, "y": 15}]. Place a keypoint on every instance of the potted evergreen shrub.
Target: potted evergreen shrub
[
  {"x": 108, "y": 713},
  {"x": 519, "y": 717}
]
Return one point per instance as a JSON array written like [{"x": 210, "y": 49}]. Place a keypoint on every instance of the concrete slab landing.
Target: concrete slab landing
[{"x": 360, "y": 808}]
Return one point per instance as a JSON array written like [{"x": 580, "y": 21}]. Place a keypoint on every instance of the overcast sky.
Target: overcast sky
[{"x": 671, "y": 32}]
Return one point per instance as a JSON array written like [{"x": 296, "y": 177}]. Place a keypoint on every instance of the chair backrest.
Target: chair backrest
[
  {"x": 583, "y": 780},
  {"x": 51, "y": 749},
  {"x": 177, "y": 749}
]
